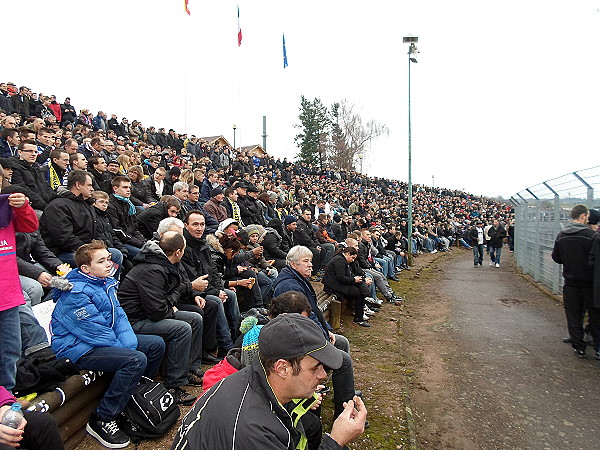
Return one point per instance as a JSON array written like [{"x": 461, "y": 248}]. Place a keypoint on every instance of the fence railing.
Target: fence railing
[{"x": 540, "y": 213}]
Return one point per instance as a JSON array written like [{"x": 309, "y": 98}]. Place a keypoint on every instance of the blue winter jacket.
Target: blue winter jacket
[
  {"x": 89, "y": 316},
  {"x": 290, "y": 280}
]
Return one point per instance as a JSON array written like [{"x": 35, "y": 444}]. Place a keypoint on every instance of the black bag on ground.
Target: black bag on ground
[{"x": 150, "y": 413}]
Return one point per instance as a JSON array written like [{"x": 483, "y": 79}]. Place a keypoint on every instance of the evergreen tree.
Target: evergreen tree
[{"x": 314, "y": 124}]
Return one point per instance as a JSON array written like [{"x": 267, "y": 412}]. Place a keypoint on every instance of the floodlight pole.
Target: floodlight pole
[
  {"x": 234, "y": 128},
  {"x": 412, "y": 50}
]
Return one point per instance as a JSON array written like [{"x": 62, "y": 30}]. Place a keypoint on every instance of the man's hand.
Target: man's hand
[
  {"x": 44, "y": 279},
  {"x": 368, "y": 281},
  {"x": 257, "y": 251},
  {"x": 350, "y": 423},
  {"x": 200, "y": 283},
  {"x": 357, "y": 279},
  {"x": 8, "y": 435},
  {"x": 331, "y": 338},
  {"x": 200, "y": 301},
  {"x": 241, "y": 269},
  {"x": 17, "y": 200},
  {"x": 223, "y": 296},
  {"x": 244, "y": 282}
]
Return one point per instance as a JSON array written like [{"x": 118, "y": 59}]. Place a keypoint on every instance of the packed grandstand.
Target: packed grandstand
[{"x": 135, "y": 192}]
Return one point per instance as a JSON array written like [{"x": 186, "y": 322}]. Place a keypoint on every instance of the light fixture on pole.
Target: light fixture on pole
[
  {"x": 412, "y": 58},
  {"x": 234, "y": 128}
]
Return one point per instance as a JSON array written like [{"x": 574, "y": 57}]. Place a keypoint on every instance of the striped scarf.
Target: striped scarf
[
  {"x": 235, "y": 213},
  {"x": 55, "y": 180}
]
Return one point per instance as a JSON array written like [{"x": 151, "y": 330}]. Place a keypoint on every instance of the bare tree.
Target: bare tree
[{"x": 350, "y": 137}]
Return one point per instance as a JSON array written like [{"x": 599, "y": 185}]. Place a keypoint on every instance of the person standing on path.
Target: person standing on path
[
  {"x": 572, "y": 249},
  {"x": 476, "y": 235},
  {"x": 497, "y": 234}
]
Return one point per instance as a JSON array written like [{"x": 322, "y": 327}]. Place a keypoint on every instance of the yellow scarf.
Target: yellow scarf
[{"x": 55, "y": 180}]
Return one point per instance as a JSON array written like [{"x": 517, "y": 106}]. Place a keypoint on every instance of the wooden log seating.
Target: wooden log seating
[
  {"x": 330, "y": 306},
  {"x": 72, "y": 403}
]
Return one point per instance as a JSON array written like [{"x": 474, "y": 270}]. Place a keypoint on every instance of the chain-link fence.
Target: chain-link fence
[{"x": 540, "y": 213}]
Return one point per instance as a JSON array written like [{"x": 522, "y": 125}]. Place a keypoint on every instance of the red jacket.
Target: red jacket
[{"x": 55, "y": 108}]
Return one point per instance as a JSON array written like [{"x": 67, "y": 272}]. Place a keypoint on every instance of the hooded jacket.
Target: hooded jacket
[
  {"x": 571, "y": 249},
  {"x": 89, "y": 316},
  {"x": 290, "y": 280},
  {"x": 21, "y": 219},
  {"x": 150, "y": 288},
  {"x": 241, "y": 412}
]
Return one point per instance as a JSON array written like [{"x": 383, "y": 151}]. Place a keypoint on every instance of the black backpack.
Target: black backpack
[{"x": 150, "y": 413}]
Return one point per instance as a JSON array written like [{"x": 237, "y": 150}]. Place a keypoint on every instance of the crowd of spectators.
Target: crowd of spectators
[{"x": 198, "y": 232}]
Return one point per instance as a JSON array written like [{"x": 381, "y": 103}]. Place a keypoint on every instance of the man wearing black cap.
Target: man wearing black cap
[
  {"x": 255, "y": 407},
  {"x": 214, "y": 206}
]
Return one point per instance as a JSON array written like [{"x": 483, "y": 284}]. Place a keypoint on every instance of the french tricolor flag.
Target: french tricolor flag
[{"x": 239, "y": 28}]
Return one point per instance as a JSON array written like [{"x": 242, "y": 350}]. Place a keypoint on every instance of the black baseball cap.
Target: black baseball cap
[{"x": 293, "y": 335}]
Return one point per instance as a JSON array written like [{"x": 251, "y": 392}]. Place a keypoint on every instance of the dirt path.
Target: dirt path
[{"x": 490, "y": 368}]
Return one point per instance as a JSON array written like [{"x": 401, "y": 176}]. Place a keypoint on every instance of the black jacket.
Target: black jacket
[
  {"x": 572, "y": 249},
  {"x": 273, "y": 245},
  {"x": 197, "y": 261},
  {"x": 248, "y": 210},
  {"x": 287, "y": 238},
  {"x": 31, "y": 249},
  {"x": 496, "y": 236},
  {"x": 68, "y": 222},
  {"x": 364, "y": 250},
  {"x": 105, "y": 232},
  {"x": 305, "y": 234},
  {"x": 147, "y": 290},
  {"x": 338, "y": 276},
  {"x": 139, "y": 191},
  {"x": 242, "y": 409},
  {"x": 31, "y": 176},
  {"x": 124, "y": 224},
  {"x": 148, "y": 220},
  {"x": 594, "y": 261}
]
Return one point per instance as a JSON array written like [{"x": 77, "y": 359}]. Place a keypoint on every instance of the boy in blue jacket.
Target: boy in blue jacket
[{"x": 90, "y": 328}]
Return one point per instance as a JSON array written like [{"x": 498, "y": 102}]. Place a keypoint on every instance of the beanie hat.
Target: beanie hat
[
  {"x": 216, "y": 191},
  {"x": 254, "y": 229},
  {"x": 289, "y": 219},
  {"x": 250, "y": 328},
  {"x": 594, "y": 217}
]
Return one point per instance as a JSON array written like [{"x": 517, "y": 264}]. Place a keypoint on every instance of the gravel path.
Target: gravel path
[{"x": 491, "y": 369}]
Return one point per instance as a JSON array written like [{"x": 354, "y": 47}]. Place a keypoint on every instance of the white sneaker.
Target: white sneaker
[
  {"x": 491, "y": 263},
  {"x": 434, "y": 251},
  {"x": 368, "y": 311},
  {"x": 374, "y": 301},
  {"x": 497, "y": 265},
  {"x": 365, "y": 317}
]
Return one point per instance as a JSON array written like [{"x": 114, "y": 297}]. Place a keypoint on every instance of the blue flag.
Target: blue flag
[{"x": 285, "y": 63}]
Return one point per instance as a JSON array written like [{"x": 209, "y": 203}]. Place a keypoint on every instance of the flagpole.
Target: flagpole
[{"x": 185, "y": 99}]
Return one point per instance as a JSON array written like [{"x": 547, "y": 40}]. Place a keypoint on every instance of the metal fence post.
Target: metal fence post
[
  {"x": 557, "y": 269},
  {"x": 537, "y": 259}
]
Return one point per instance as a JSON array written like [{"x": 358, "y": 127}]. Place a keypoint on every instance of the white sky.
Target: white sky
[{"x": 505, "y": 94}]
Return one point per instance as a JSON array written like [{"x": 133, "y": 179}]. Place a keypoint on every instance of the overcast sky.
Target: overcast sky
[{"x": 505, "y": 94}]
